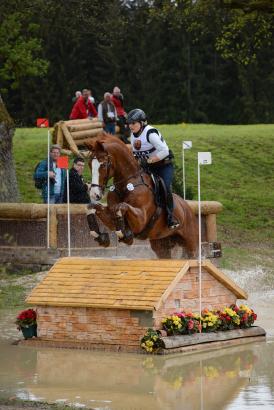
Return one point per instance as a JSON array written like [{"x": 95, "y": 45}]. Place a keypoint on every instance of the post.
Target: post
[
  {"x": 185, "y": 145},
  {"x": 68, "y": 199},
  {"x": 204, "y": 158},
  {"x": 48, "y": 213},
  {"x": 200, "y": 241}
]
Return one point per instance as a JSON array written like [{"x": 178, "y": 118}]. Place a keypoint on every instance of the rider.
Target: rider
[{"x": 147, "y": 142}]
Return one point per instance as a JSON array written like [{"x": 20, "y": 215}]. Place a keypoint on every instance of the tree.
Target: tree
[{"x": 19, "y": 49}]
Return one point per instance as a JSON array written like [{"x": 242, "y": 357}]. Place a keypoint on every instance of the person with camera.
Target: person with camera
[{"x": 56, "y": 177}]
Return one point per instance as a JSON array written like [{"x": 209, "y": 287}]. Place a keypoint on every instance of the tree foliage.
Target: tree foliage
[{"x": 184, "y": 60}]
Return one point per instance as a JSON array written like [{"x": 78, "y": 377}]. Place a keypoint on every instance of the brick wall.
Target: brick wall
[
  {"x": 97, "y": 326},
  {"x": 214, "y": 295}
]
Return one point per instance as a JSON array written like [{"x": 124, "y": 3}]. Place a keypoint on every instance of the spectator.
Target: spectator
[
  {"x": 90, "y": 97},
  {"x": 83, "y": 108},
  {"x": 56, "y": 177},
  {"x": 77, "y": 95},
  {"x": 118, "y": 100},
  {"x": 78, "y": 190},
  {"x": 107, "y": 114}
]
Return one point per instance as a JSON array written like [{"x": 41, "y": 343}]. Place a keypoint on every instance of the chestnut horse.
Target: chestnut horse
[{"x": 131, "y": 209}]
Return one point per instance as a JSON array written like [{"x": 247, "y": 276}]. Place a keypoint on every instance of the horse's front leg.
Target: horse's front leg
[
  {"x": 127, "y": 219},
  {"x": 104, "y": 215}
]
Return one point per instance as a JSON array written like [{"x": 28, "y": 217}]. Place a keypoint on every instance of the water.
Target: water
[{"x": 229, "y": 378}]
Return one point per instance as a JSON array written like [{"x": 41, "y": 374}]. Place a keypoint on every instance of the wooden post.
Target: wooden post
[
  {"x": 53, "y": 227},
  {"x": 211, "y": 228},
  {"x": 69, "y": 139}
]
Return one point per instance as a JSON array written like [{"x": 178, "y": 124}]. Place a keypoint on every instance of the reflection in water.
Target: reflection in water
[{"x": 230, "y": 377}]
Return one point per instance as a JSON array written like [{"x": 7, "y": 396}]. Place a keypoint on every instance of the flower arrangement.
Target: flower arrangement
[
  {"x": 26, "y": 318},
  {"x": 228, "y": 319},
  {"x": 183, "y": 323},
  {"x": 209, "y": 321},
  {"x": 151, "y": 342},
  {"x": 246, "y": 315}
]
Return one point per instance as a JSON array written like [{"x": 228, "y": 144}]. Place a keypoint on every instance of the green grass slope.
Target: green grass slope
[{"x": 241, "y": 176}]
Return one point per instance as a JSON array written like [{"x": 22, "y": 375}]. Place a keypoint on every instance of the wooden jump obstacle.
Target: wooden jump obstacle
[
  {"x": 71, "y": 135},
  {"x": 108, "y": 304}
]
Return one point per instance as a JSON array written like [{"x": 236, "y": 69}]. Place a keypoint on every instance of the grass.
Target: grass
[{"x": 241, "y": 176}]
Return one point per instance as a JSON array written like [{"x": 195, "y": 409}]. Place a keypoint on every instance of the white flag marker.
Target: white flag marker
[
  {"x": 185, "y": 145},
  {"x": 204, "y": 158}
]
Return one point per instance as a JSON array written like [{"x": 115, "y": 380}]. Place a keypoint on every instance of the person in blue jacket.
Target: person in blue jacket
[{"x": 57, "y": 177}]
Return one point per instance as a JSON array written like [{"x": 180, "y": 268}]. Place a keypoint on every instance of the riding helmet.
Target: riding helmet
[{"x": 136, "y": 115}]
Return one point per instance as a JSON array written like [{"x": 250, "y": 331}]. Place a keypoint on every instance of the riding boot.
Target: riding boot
[{"x": 171, "y": 223}]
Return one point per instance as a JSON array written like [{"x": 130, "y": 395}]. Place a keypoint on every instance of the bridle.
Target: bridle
[{"x": 106, "y": 164}]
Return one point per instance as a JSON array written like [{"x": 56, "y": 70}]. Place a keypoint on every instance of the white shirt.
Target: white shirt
[
  {"x": 58, "y": 179},
  {"x": 153, "y": 143}
]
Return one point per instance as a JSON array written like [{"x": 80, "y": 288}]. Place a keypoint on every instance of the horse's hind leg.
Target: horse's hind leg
[{"x": 162, "y": 247}]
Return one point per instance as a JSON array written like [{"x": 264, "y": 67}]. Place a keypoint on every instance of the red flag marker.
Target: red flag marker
[
  {"x": 63, "y": 162},
  {"x": 42, "y": 123}
]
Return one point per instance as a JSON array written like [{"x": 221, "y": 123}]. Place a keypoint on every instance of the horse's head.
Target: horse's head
[{"x": 100, "y": 166}]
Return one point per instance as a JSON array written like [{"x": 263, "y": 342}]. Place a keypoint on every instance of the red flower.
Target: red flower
[{"x": 190, "y": 325}]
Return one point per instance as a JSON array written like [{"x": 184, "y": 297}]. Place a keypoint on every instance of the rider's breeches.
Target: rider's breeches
[{"x": 166, "y": 173}]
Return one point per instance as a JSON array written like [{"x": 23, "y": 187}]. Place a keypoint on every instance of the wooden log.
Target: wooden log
[
  {"x": 86, "y": 126},
  {"x": 211, "y": 228},
  {"x": 69, "y": 139},
  {"x": 53, "y": 227},
  {"x": 81, "y": 141},
  {"x": 86, "y": 133},
  {"x": 60, "y": 136},
  {"x": 83, "y": 121},
  {"x": 207, "y": 207},
  {"x": 22, "y": 211},
  {"x": 66, "y": 152},
  {"x": 171, "y": 342},
  {"x": 36, "y": 211}
]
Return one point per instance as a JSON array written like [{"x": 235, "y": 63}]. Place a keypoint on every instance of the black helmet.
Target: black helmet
[{"x": 136, "y": 115}]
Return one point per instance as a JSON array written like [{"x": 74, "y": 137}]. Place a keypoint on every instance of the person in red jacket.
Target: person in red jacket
[
  {"x": 83, "y": 108},
  {"x": 118, "y": 101}
]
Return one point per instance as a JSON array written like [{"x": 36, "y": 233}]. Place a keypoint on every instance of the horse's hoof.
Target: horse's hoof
[
  {"x": 103, "y": 239},
  {"x": 127, "y": 238}
]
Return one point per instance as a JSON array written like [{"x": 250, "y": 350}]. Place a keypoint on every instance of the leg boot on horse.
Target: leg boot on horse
[{"x": 101, "y": 237}]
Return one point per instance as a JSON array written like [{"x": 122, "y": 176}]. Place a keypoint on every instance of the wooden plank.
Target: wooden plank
[
  {"x": 116, "y": 269},
  {"x": 96, "y": 298},
  {"x": 172, "y": 286}
]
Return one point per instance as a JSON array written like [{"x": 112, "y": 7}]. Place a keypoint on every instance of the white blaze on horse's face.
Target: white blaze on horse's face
[{"x": 95, "y": 192}]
